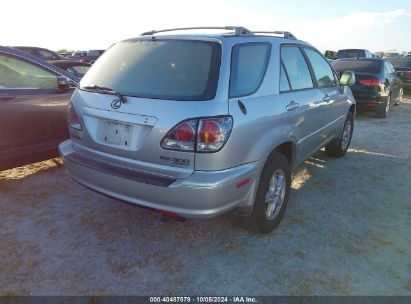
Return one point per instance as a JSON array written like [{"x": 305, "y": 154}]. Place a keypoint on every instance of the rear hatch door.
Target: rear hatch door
[{"x": 164, "y": 82}]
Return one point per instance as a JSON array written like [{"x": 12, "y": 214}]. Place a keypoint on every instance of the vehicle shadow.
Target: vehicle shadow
[{"x": 73, "y": 241}]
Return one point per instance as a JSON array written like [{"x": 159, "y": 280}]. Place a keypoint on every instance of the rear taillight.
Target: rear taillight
[
  {"x": 407, "y": 73},
  {"x": 370, "y": 82},
  {"x": 181, "y": 137},
  {"x": 72, "y": 118},
  {"x": 213, "y": 133},
  {"x": 199, "y": 135}
]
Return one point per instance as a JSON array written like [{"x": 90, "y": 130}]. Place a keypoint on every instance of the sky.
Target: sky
[{"x": 377, "y": 25}]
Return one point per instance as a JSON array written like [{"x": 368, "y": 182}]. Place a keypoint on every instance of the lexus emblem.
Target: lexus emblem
[{"x": 116, "y": 103}]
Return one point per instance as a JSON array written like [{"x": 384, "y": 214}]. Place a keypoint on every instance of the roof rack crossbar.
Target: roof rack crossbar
[
  {"x": 238, "y": 30},
  {"x": 285, "y": 34}
]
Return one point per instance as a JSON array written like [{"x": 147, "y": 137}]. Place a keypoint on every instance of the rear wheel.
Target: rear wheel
[
  {"x": 272, "y": 195},
  {"x": 400, "y": 96},
  {"x": 383, "y": 113},
  {"x": 339, "y": 146}
]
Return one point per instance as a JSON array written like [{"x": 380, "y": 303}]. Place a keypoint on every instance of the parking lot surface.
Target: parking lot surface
[{"x": 347, "y": 231}]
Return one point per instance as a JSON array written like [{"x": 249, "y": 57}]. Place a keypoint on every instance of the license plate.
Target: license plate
[{"x": 115, "y": 133}]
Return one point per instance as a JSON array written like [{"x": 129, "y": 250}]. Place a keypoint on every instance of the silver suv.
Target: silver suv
[{"x": 198, "y": 125}]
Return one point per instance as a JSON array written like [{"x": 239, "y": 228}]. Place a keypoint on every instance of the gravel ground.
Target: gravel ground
[{"x": 347, "y": 231}]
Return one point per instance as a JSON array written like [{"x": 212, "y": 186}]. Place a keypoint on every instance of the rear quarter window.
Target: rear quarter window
[{"x": 248, "y": 66}]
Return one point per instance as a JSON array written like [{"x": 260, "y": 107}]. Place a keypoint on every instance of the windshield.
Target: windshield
[
  {"x": 159, "y": 69},
  {"x": 366, "y": 66}
]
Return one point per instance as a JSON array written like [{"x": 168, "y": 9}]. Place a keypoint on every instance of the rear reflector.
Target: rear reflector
[
  {"x": 166, "y": 212},
  {"x": 243, "y": 183},
  {"x": 370, "y": 105},
  {"x": 72, "y": 118}
]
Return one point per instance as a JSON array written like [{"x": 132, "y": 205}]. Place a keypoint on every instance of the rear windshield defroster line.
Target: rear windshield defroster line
[{"x": 159, "y": 69}]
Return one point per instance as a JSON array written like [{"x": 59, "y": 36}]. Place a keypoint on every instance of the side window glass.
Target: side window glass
[
  {"x": 296, "y": 67},
  {"x": 15, "y": 73},
  {"x": 390, "y": 67},
  {"x": 322, "y": 70},
  {"x": 248, "y": 65},
  {"x": 387, "y": 68},
  {"x": 284, "y": 85}
]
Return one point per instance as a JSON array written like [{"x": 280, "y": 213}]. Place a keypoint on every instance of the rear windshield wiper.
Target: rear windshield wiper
[{"x": 106, "y": 90}]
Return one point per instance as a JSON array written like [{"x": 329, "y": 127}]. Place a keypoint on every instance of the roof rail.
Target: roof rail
[
  {"x": 285, "y": 34},
  {"x": 238, "y": 30}
]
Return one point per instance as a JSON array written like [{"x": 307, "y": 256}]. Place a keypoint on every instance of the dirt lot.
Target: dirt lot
[{"x": 347, "y": 231}]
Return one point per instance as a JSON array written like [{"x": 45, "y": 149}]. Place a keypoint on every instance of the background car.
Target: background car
[
  {"x": 392, "y": 55},
  {"x": 78, "y": 55},
  {"x": 42, "y": 53},
  {"x": 93, "y": 55},
  {"x": 354, "y": 53},
  {"x": 33, "y": 102},
  {"x": 74, "y": 67},
  {"x": 403, "y": 67},
  {"x": 377, "y": 85}
]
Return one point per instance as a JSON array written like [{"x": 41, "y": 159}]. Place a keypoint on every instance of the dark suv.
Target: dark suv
[{"x": 377, "y": 84}]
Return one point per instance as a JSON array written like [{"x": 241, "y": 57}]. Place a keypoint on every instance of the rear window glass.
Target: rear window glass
[
  {"x": 350, "y": 53},
  {"x": 400, "y": 62},
  {"x": 159, "y": 69},
  {"x": 248, "y": 65},
  {"x": 357, "y": 66}
]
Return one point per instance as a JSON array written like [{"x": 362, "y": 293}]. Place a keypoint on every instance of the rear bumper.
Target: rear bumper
[
  {"x": 370, "y": 104},
  {"x": 201, "y": 195}
]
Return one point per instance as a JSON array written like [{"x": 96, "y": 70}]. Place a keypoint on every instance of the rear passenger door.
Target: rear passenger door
[
  {"x": 301, "y": 100},
  {"x": 335, "y": 107}
]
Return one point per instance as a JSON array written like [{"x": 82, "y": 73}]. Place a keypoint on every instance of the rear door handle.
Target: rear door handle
[{"x": 292, "y": 106}]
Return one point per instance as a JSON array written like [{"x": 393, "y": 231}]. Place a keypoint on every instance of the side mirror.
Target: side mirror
[
  {"x": 347, "y": 78},
  {"x": 63, "y": 83}
]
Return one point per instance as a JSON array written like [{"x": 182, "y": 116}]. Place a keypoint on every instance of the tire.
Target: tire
[
  {"x": 383, "y": 113},
  {"x": 339, "y": 146},
  {"x": 275, "y": 169},
  {"x": 400, "y": 96}
]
